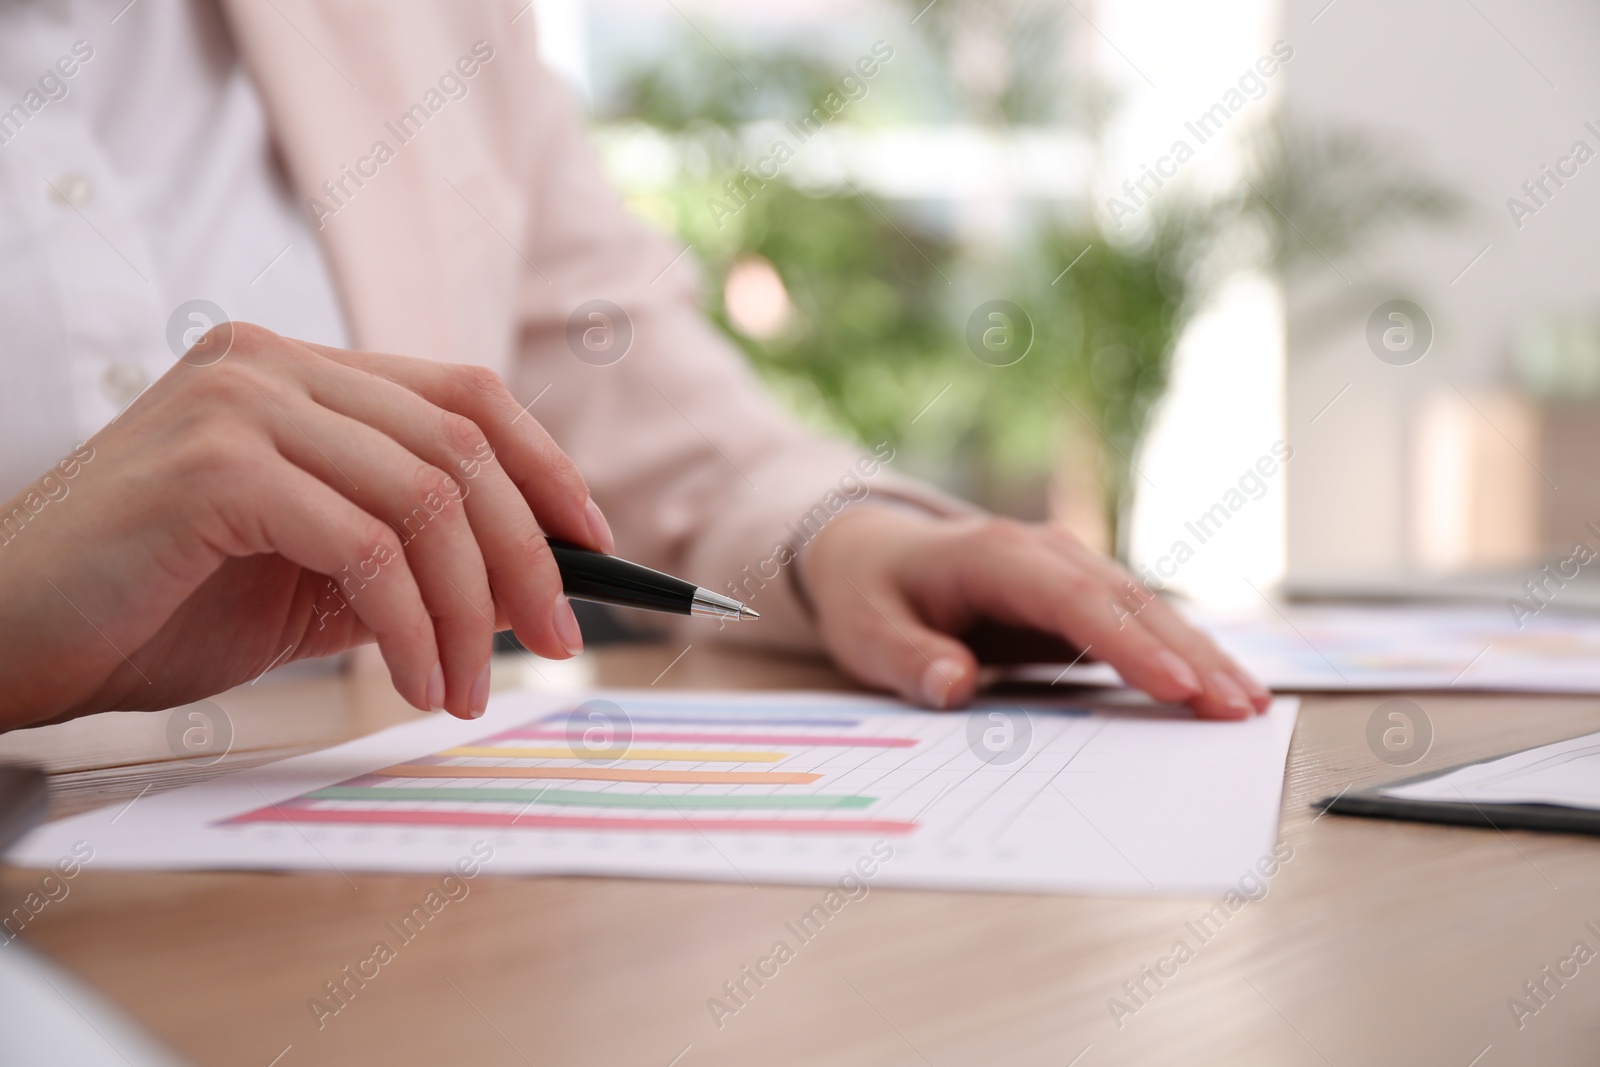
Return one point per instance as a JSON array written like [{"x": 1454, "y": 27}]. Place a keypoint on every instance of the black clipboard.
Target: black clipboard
[
  {"x": 1372, "y": 803},
  {"x": 24, "y": 799}
]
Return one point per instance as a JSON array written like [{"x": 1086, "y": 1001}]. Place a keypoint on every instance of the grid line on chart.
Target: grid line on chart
[{"x": 1043, "y": 748}]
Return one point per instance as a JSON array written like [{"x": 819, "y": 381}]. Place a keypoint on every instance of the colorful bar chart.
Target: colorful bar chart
[
  {"x": 668, "y": 773},
  {"x": 795, "y": 788}
]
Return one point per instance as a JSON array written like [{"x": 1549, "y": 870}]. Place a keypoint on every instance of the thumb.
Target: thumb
[{"x": 894, "y": 649}]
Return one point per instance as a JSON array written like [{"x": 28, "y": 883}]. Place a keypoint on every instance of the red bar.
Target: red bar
[
  {"x": 404, "y": 817},
  {"x": 724, "y": 739}
]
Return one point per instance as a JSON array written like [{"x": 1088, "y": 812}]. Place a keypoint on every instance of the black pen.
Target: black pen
[{"x": 603, "y": 579}]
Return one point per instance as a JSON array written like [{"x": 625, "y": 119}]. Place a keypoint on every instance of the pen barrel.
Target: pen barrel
[{"x": 603, "y": 579}]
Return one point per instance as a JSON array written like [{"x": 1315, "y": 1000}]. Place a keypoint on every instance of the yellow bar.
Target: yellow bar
[
  {"x": 681, "y": 755},
  {"x": 604, "y": 774}
]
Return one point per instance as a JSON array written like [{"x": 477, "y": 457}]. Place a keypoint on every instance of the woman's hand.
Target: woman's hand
[
  {"x": 267, "y": 501},
  {"x": 890, "y": 588}
]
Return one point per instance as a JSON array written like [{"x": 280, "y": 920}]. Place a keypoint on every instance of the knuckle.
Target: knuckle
[
  {"x": 535, "y": 550},
  {"x": 1077, "y": 586},
  {"x": 225, "y": 385},
  {"x": 215, "y": 455},
  {"x": 556, "y": 465},
  {"x": 373, "y": 547},
  {"x": 1003, "y": 532},
  {"x": 1132, "y": 594},
  {"x": 480, "y": 382},
  {"x": 375, "y": 541},
  {"x": 466, "y": 609},
  {"x": 247, "y": 338},
  {"x": 463, "y": 437},
  {"x": 483, "y": 609},
  {"x": 433, "y": 488},
  {"x": 218, "y": 338},
  {"x": 1062, "y": 537}
]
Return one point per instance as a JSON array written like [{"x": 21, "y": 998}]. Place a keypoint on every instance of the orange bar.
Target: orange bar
[{"x": 605, "y": 774}]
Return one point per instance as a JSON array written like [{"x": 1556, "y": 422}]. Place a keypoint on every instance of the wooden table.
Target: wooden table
[{"x": 1378, "y": 943}]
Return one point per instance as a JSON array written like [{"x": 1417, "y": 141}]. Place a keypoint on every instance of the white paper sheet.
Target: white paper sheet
[
  {"x": 1566, "y": 773},
  {"x": 1046, "y": 797},
  {"x": 1329, "y": 648},
  {"x": 48, "y": 1019}
]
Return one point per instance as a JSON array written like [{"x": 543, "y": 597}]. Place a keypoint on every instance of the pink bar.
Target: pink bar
[
  {"x": 815, "y": 740},
  {"x": 404, "y": 817}
]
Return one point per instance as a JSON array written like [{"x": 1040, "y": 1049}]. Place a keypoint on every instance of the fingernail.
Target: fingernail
[
  {"x": 566, "y": 626},
  {"x": 599, "y": 527},
  {"x": 436, "y": 688},
  {"x": 1258, "y": 692},
  {"x": 1225, "y": 689},
  {"x": 1179, "y": 671},
  {"x": 478, "y": 699},
  {"x": 940, "y": 680}
]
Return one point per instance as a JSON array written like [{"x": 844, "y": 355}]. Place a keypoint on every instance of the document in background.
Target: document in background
[
  {"x": 796, "y": 788},
  {"x": 1342, "y": 647}
]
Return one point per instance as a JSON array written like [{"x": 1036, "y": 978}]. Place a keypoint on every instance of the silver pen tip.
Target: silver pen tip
[{"x": 716, "y": 606}]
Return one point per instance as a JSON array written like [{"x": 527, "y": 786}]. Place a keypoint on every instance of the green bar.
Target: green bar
[{"x": 589, "y": 798}]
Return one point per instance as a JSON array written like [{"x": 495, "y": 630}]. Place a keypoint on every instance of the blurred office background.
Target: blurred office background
[{"x": 973, "y": 260}]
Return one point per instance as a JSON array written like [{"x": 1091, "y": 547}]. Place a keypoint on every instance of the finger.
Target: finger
[
  {"x": 535, "y": 463},
  {"x": 289, "y": 511},
  {"x": 887, "y": 645},
  {"x": 523, "y": 578},
  {"x": 423, "y": 506},
  {"x": 1230, "y": 690},
  {"x": 1227, "y": 683},
  {"x": 1022, "y": 582}
]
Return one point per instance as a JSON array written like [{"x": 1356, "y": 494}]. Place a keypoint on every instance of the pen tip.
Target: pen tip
[{"x": 711, "y": 605}]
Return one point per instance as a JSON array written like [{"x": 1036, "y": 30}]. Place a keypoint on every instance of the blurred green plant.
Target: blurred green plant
[
  {"x": 876, "y": 345},
  {"x": 1304, "y": 197}
]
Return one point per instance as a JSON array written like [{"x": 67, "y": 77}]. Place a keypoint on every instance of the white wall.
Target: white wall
[
  {"x": 1480, "y": 93},
  {"x": 1168, "y": 62}
]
